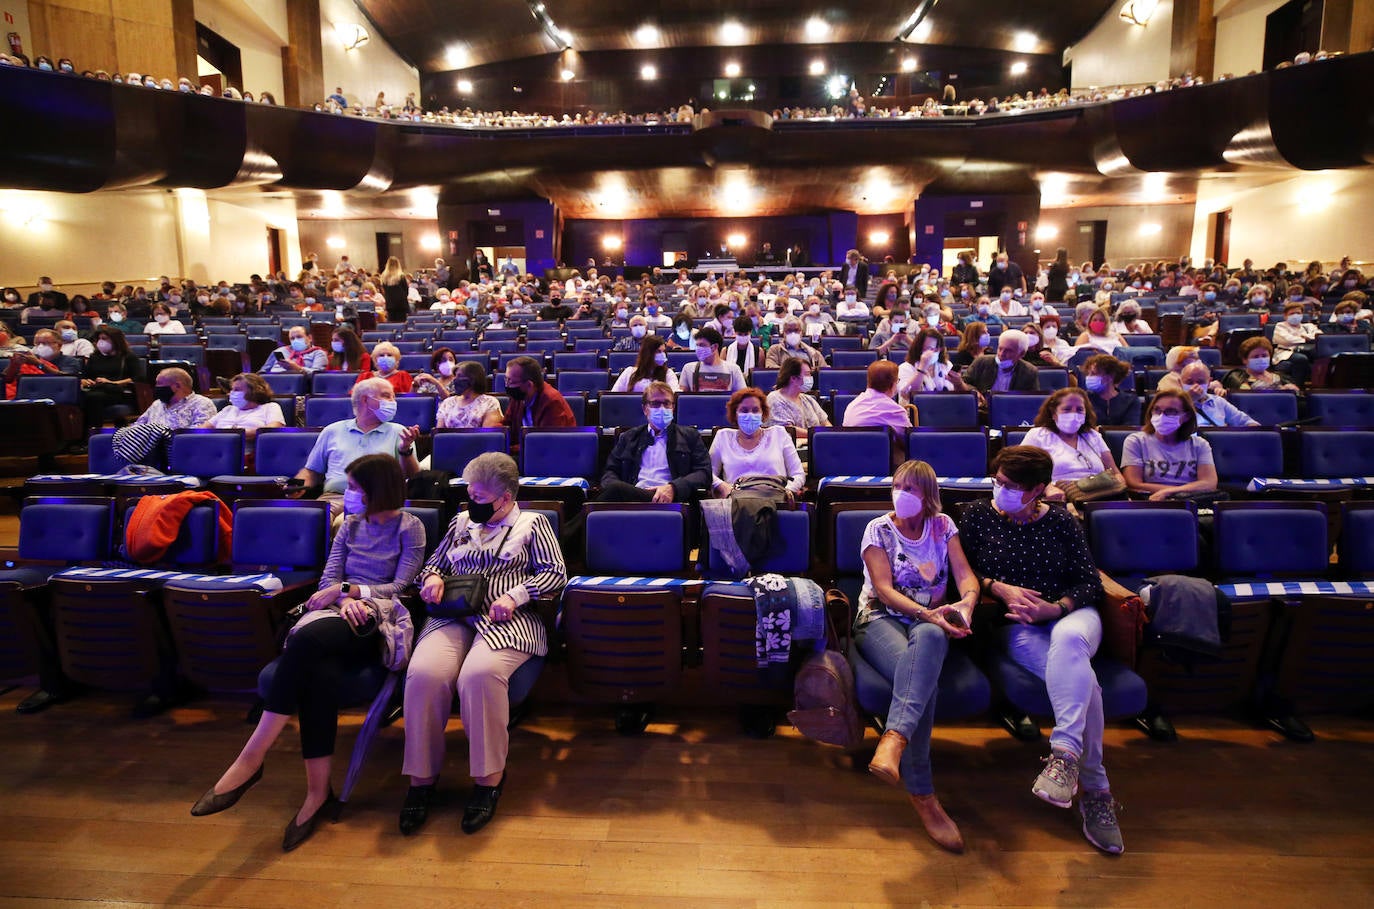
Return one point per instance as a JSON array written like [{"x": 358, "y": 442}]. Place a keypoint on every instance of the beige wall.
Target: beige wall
[
  {"x": 359, "y": 241},
  {"x": 1240, "y": 35},
  {"x": 1126, "y": 242},
  {"x": 1117, "y": 53},
  {"x": 258, "y": 29},
  {"x": 18, "y": 10},
  {"x": 133, "y": 236},
  {"x": 1291, "y": 218},
  {"x": 370, "y": 69},
  {"x": 123, "y": 35}
]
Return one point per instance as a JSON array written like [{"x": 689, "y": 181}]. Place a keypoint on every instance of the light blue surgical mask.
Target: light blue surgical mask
[
  {"x": 1007, "y": 499},
  {"x": 749, "y": 422},
  {"x": 660, "y": 417},
  {"x": 386, "y": 363},
  {"x": 353, "y": 501},
  {"x": 299, "y": 344},
  {"x": 238, "y": 399},
  {"x": 386, "y": 411}
]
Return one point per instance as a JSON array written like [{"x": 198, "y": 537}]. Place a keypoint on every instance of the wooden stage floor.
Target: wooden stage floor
[{"x": 94, "y": 808}]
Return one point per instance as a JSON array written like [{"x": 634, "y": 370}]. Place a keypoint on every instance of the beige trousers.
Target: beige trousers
[{"x": 452, "y": 658}]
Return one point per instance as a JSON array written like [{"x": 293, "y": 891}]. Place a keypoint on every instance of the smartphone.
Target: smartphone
[
  {"x": 279, "y": 355},
  {"x": 956, "y": 619}
]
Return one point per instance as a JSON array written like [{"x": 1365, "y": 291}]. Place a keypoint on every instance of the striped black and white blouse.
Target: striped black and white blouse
[{"x": 520, "y": 556}]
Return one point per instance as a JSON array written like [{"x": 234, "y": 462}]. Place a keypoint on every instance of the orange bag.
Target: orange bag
[{"x": 156, "y": 520}]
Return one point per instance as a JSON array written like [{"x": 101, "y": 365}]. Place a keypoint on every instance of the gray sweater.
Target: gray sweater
[{"x": 386, "y": 557}]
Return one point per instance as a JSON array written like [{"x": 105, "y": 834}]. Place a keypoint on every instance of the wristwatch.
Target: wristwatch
[{"x": 346, "y": 589}]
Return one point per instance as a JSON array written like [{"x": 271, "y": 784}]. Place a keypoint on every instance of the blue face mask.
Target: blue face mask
[
  {"x": 1210, "y": 296},
  {"x": 238, "y": 399},
  {"x": 386, "y": 363},
  {"x": 660, "y": 417},
  {"x": 299, "y": 344},
  {"x": 749, "y": 422},
  {"x": 386, "y": 411},
  {"x": 353, "y": 501}
]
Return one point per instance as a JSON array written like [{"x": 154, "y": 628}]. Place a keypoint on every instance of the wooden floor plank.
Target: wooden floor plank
[{"x": 94, "y": 807}]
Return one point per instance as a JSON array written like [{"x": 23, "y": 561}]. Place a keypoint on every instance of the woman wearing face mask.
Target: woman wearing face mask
[
  {"x": 108, "y": 376},
  {"x": 475, "y": 657},
  {"x": 975, "y": 342},
  {"x": 351, "y": 623},
  {"x": 927, "y": 367},
  {"x": 386, "y": 360},
  {"x": 469, "y": 406},
  {"x": 163, "y": 323},
  {"x": 250, "y": 408},
  {"x": 903, "y": 629},
  {"x": 443, "y": 364},
  {"x": 1128, "y": 321},
  {"x": 1294, "y": 344},
  {"x": 11, "y": 297},
  {"x": 346, "y": 352},
  {"x": 884, "y": 301},
  {"x": 683, "y": 336},
  {"x": 1066, "y": 430},
  {"x": 1345, "y": 319},
  {"x": 751, "y": 449},
  {"x": 1167, "y": 458},
  {"x": 1006, "y": 305},
  {"x": 1054, "y": 350},
  {"x": 44, "y": 359},
  {"x": 1256, "y": 354},
  {"x": 1099, "y": 333},
  {"x": 1203, "y": 313},
  {"x": 651, "y": 366},
  {"x": 1035, "y": 560},
  {"x": 790, "y": 402},
  {"x": 297, "y": 355},
  {"x": 1102, "y": 378}
]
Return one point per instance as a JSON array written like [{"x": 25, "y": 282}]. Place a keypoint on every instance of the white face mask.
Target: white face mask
[
  {"x": 906, "y": 504},
  {"x": 43, "y": 352},
  {"x": 807, "y": 383},
  {"x": 1259, "y": 364},
  {"x": 446, "y": 368},
  {"x": 1069, "y": 423},
  {"x": 637, "y": 331},
  {"x": 660, "y": 358},
  {"x": 1166, "y": 424},
  {"x": 1007, "y": 499},
  {"x": 1295, "y": 319},
  {"x": 162, "y": 319},
  {"x": 104, "y": 346},
  {"x": 793, "y": 338}
]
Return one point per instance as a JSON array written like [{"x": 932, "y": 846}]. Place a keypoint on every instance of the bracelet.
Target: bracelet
[
  {"x": 1063, "y": 608},
  {"x": 405, "y": 452}
]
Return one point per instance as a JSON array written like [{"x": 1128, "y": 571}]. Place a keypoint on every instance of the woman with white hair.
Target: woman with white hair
[
  {"x": 518, "y": 554},
  {"x": 386, "y": 360}
]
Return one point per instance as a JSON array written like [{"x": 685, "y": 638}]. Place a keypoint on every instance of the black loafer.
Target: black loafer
[
  {"x": 1020, "y": 725},
  {"x": 415, "y": 811},
  {"x": 212, "y": 803},
  {"x": 481, "y": 806},
  {"x": 299, "y": 833},
  {"x": 39, "y": 701},
  {"x": 1157, "y": 726},
  {"x": 1291, "y": 728}
]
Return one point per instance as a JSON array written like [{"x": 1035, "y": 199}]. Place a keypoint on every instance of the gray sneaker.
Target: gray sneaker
[
  {"x": 1058, "y": 782},
  {"x": 1099, "y": 821}
]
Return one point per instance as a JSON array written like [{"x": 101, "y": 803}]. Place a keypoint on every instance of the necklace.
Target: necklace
[{"x": 1021, "y": 522}]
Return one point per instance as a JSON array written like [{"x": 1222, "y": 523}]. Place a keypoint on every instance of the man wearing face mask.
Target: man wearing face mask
[
  {"x": 711, "y": 371},
  {"x": 741, "y": 350},
  {"x": 1005, "y": 370},
  {"x": 557, "y": 310},
  {"x": 177, "y": 406},
  {"x": 660, "y": 461},
  {"x": 639, "y": 327},
  {"x": 371, "y": 431},
  {"x": 854, "y": 273},
  {"x": 793, "y": 347},
  {"x": 533, "y": 402},
  {"x": 1212, "y": 410},
  {"x": 72, "y": 345},
  {"x": 297, "y": 355},
  {"x": 1202, "y": 313},
  {"x": 56, "y": 301},
  {"x": 45, "y": 359},
  {"x": 1005, "y": 275}
]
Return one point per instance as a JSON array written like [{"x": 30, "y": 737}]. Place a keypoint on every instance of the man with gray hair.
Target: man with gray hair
[
  {"x": 1005, "y": 370},
  {"x": 369, "y": 432}
]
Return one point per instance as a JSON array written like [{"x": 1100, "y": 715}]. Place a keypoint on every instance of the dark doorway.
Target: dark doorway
[
  {"x": 1092, "y": 236},
  {"x": 223, "y": 55},
  {"x": 1220, "y": 230},
  {"x": 389, "y": 245},
  {"x": 1292, "y": 28},
  {"x": 274, "y": 257}
]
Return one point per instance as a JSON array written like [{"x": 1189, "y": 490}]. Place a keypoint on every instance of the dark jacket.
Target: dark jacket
[
  {"x": 547, "y": 408},
  {"x": 963, "y": 273},
  {"x": 983, "y": 372},
  {"x": 689, "y": 463}
]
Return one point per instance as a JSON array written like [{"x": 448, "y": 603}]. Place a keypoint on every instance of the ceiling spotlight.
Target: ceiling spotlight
[
  {"x": 732, "y": 32},
  {"x": 567, "y": 75},
  {"x": 610, "y": 242},
  {"x": 878, "y": 238},
  {"x": 736, "y": 241},
  {"x": 464, "y": 86},
  {"x": 908, "y": 64},
  {"x": 647, "y": 34},
  {"x": 836, "y": 86},
  {"x": 456, "y": 57},
  {"x": 732, "y": 70},
  {"x": 817, "y": 28},
  {"x": 817, "y": 67},
  {"x": 1019, "y": 68},
  {"x": 1024, "y": 42},
  {"x": 648, "y": 71},
  {"x": 352, "y": 36}
]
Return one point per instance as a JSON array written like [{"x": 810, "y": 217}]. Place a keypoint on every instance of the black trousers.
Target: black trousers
[{"x": 308, "y": 677}]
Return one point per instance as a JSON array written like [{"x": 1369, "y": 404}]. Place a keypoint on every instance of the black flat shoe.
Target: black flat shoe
[
  {"x": 212, "y": 803},
  {"x": 1020, "y": 725},
  {"x": 481, "y": 806},
  {"x": 1291, "y": 728},
  {"x": 299, "y": 833},
  {"x": 416, "y": 808},
  {"x": 1157, "y": 726},
  {"x": 39, "y": 701}
]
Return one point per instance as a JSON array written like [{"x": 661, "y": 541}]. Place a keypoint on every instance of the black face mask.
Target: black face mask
[
  {"x": 516, "y": 394},
  {"x": 481, "y": 512},
  {"x": 163, "y": 393}
]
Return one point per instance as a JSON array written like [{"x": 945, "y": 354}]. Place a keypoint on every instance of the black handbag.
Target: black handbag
[{"x": 464, "y": 596}]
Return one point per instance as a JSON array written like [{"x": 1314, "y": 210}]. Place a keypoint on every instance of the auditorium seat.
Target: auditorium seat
[
  {"x": 333, "y": 383},
  {"x": 1262, "y": 541},
  {"x": 206, "y": 452},
  {"x": 321, "y": 411},
  {"x": 454, "y": 448},
  {"x": 1240, "y": 454},
  {"x": 1335, "y": 453},
  {"x": 1013, "y": 408},
  {"x": 590, "y": 381},
  {"x": 1346, "y": 409},
  {"x": 286, "y": 383},
  {"x": 704, "y": 410},
  {"x": 1268, "y": 408},
  {"x": 1134, "y": 540},
  {"x": 560, "y": 452},
  {"x": 850, "y": 451},
  {"x": 620, "y": 409},
  {"x": 950, "y": 409},
  {"x": 950, "y": 452},
  {"x": 842, "y": 381}
]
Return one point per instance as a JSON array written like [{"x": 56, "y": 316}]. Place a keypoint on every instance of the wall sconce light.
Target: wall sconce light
[
  {"x": 352, "y": 36},
  {"x": 1139, "y": 12}
]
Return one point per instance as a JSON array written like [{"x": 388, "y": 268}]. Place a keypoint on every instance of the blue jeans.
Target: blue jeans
[
  {"x": 1061, "y": 654},
  {"x": 911, "y": 658}
]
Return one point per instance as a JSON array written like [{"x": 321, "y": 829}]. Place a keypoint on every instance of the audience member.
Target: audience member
[
  {"x": 297, "y": 355},
  {"x": 443, "y": 363},
  {"x": 386, "y": 361},
  {"x": 1102, "y": 378},
  {"x": 658, "y": 461},
  {"x": 1256, "y": 354},
  {"x": 250, "y": 408},
  {"x": 468, "y": 405},
  {"x": 752, "y": 449},
  {"x": 651, "y": 366},
  {"x": 347, "y": 353},
  {"x": 370, "y": 431},
  {"x": 1212, "y": 410},
  {"x": 533, "y": 402},
  {"x": 876, "y": 405},
  {"x": 1005, "y": 370},
  {"x": 903, "y": 628},
  {"x": 518, "y": 554},
  {"x": 711, "y": 371},
  {"x": 163, "y": 323},
  {"x": 109, "y": 375},
  {"x": 790, "y": 403},
  {"x": 1066, "y": 430},
  {"x": 1167, "y": 458},
  {"x": 45, "y": 359}
]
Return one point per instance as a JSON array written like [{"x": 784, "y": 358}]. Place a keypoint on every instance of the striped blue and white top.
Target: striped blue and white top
[{"x": 521, "y": 557}]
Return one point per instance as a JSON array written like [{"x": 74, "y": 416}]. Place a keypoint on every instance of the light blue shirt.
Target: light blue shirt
[
  {"x": 312, "y": 359},
  {"x": 342, "y": 443}
]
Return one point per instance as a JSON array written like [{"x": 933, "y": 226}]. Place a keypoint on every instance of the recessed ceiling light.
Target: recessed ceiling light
[
  {"x": 908, "y": 64},
  {"x": 567, "y": 75},
  {"x": 648, "y": 71},
  {"x": 732, "y": 32},
  {"x": 817, "y": 28},
  {"x": 732, "y": 70},
  {"x": 647, "y": 34},
  {"x": 817, "y": 67},
  {"x": 1024, "y": 42},
  {"x": 1019, "y": 68},
  {"x": 456, "y": 56}
]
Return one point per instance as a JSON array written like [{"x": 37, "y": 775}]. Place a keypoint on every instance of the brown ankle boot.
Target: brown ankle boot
[
  {"x": 938, "y": 824},
  {"x": 887, "y": 760}
]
